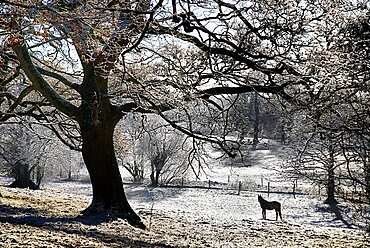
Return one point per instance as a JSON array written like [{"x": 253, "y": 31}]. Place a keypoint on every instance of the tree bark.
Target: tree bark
[
  {"x": 108, "y": 193},
  {"x": 154, "y": 175},
  {"x": 22, "y": 175},
  {"x": 97, "y": 119},
  {"x": 367, "y": 177},
  {"x": 256, "y": 130},
  {"x": 330, "y": 187}
]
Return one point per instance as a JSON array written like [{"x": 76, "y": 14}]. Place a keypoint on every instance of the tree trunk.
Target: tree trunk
[
  {"x": 22, "y": 175},
  {"x": 153, "y": 176},
  {"x": 367, "y": 177},
  {"x": 108, "y": 193},
  {"x": 97, "y": 119},
  {"x": 283, "y": 134},
  {"x": 256, "y": 121},
  {"x": 158, "y": 172},
  {"x": 330, "y": 187}
]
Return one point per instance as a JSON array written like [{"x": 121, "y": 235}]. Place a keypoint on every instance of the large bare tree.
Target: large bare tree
[{"x": 91, "y": 62}]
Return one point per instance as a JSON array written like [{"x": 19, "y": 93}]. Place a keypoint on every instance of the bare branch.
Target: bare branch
[{"x": 39, "y": 82}]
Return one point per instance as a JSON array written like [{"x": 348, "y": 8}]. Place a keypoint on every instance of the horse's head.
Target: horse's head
[{"x": 259, "y": 198}]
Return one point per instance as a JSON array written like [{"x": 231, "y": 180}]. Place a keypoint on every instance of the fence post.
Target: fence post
[
  {"x": 261, "y": 181},
  {"x": 209, "y": 184},
  {"x": 268, "y": 189},
  {"x": 294, "y": 185}
]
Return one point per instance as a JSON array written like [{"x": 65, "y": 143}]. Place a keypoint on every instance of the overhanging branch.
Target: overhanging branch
[
  {"x": 40, "y": 83},
  {"x": 22, "y": 95},
  {"x": 59, "y": 77},
  {"x": 276, "y": 90}
]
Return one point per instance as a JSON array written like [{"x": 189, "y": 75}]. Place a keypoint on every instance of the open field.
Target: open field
[
  {"x": 181, "y": 216},
  {"x": 50, "y": 219}
]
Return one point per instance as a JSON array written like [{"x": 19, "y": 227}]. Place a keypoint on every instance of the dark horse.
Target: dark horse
[{"x": 266, "y": 205}]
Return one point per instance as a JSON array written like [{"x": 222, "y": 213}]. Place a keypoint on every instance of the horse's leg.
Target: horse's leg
[
  {"x": 277, "y": 213},
  {"x": 281, "y": 218},
  {"x": 263, "y": 213}
]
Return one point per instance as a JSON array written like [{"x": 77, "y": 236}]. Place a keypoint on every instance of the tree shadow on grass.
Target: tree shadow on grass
[
  {"x": 337, "y": 211},
  {"x": 147, "y": 194},
  {"x": 35, "y": 218}
]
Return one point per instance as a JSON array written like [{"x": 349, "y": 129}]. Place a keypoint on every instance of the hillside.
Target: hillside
[{"x": 181, "y": 216}]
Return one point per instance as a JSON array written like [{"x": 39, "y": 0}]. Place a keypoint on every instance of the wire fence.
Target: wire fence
[{"x": 238, "y": 186}]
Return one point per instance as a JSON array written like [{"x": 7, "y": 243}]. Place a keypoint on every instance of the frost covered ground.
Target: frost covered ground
[{"x": 183, "y": 216}]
